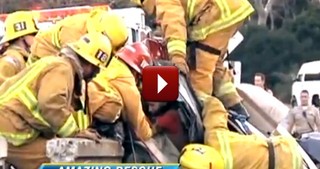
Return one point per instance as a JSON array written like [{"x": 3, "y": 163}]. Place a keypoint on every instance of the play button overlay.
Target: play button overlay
[{"x": 160, "y": 83}]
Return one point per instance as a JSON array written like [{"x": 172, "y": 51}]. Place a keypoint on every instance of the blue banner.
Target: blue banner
[{"x": 109, "y": 166}]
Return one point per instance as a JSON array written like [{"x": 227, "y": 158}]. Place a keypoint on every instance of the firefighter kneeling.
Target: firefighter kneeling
[
  {"x": 228, "y": 150},
  {"x": 35, "y": 105}
]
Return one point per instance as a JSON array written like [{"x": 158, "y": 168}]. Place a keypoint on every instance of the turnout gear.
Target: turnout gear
[
  {"x": 34, "y": 108},
  {"x": 94, "y": 48},
  {"x": 49, "y": 42},
  {"x": 243, "y": 151},
  {"x": 12, "y": 62},
  {"x": 19, "y": 24},
  {"x": 22, "y": 108},
  {"x": 115, "y": 89},
  {"x": 14, "y": 57},
  {"x": 205, "y": 27}
]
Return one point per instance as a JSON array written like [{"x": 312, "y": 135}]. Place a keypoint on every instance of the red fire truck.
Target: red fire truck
[{"x": 53, "y": 15}]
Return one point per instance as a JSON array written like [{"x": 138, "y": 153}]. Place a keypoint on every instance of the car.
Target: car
[{"x": 308, "y": 78}]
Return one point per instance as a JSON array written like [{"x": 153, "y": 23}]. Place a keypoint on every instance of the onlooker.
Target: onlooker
[
  {"x": 259, "y": 80},
  {"x": 305, "y": 117}
]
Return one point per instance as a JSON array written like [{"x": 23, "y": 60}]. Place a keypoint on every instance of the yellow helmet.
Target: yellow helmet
[
  {"x": 19, "y": 24},
  {"x": 199, "y": 156},
  {"x": 109, "y": 24},
  {"x": 94, "y": 48}
]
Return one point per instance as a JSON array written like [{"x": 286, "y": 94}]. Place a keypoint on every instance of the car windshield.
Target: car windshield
[{"x": 312, "y": 77}]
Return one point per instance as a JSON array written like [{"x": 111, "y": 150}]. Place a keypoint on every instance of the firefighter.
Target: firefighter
[
  {"x": 225, "y": 149},
  {"x": 49, "y": 42},
  {"x": 115, "y": 90},
  {"x": 36, "y": 104},
  {"x": 20, "y": 29},
  {"x": 204, "y": 27}
]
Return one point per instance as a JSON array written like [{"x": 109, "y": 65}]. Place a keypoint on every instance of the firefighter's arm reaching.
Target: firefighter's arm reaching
[
  {"x": 55, "y": 90},
  {"x": 133, "y": 111},
  {"x": 172, "y": 17},
  {"x": 105, "y": 103}
]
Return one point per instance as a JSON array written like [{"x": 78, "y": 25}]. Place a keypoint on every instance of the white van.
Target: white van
[{"x": 308, "y": 78}]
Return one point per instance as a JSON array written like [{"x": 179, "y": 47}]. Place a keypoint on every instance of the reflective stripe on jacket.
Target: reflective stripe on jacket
[
  {"x": 35, "y": 96},
  {"x": 12, "y": 62},
  {"x": 197, "y": 19},
  {"x": 48, "y": 42},
  {"x": 247, "y": 152},
  {"x": 82, "y": 119},
  {"x": 231, "y": 12}
]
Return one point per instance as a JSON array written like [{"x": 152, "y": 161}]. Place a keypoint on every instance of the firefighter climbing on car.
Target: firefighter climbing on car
[
  {"x": 47, "y": 86},
  {"x": 203, "y": 28},
  {"x": 20, "y": 29}
]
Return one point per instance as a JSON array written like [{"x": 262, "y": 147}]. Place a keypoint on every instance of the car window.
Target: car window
[
  {"x": 299, "y": 78},
  {"x": 134, "y": 35},
  {"x": 311, "y": 77}
]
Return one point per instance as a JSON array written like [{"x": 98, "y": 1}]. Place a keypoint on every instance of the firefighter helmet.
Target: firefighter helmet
[
  {"x": 199, "y": 156},
  {"x": 19, "y": 24},
  {"x": 94, "y": 48},
  {"x": 136, "y": 55},
  {"x": 109, "y": 24}
]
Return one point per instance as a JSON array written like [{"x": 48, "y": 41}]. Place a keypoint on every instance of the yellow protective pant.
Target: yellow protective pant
[
  {"x": 245, "y": 151},
  {"x": 210, "y": 76},
  {"x": 28, "y": 156}
]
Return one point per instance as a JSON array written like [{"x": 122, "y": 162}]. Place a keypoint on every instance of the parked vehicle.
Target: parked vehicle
[
  {"x": 308, "y": 78},
  {"x": 311, "y": 144}
]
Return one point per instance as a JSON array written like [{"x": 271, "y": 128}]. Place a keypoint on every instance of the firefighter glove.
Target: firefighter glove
[
  {"x": 180, "y": 62},
  {"x": 90, "y": 134}
]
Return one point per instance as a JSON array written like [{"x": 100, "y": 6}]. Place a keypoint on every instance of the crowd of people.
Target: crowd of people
[{"x": 55, "y": 82}]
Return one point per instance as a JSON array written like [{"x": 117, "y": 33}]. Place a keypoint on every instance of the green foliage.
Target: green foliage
[{"x": 279, "y": 53}]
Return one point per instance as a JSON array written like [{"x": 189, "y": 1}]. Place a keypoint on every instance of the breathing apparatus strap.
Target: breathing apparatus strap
[{"x": 271, "y": 154}]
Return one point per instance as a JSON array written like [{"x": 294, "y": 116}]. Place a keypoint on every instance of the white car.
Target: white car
[{"x": 308, "y": 78}]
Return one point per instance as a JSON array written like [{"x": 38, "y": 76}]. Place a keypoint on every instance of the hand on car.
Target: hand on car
[
  {"x": 181, "y": 63},
  {"x": 90, "y": 134}
]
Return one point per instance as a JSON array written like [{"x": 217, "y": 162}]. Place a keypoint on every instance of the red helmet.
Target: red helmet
[
  {"x": 157, "y": 48},
  {"x": 136, "y": 55}
]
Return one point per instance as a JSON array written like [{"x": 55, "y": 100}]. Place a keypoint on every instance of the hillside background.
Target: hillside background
[{"x": 279, "y": 37}]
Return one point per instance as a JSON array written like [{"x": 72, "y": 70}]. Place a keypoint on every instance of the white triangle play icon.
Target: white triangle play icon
[{"x": 161, "y": 83}]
